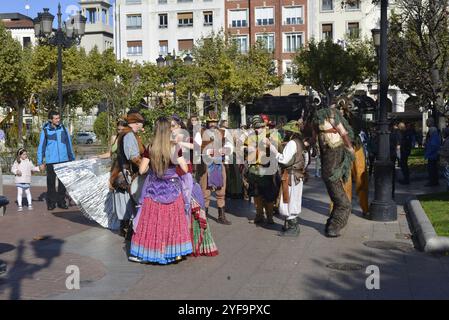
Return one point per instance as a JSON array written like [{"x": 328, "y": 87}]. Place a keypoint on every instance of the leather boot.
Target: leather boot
[
  {"x": 222, "y": 217},
  {"x": 292, "y": 229}
]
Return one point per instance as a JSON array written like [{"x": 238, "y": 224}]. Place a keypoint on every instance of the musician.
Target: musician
[
  {"x": 293, "y": 161},
  {"x": 126, "y": 168},
  {"x": 216, "y": 145}
]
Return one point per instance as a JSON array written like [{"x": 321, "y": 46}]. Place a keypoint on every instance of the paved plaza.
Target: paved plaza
[{"x": 254, "y": 263}]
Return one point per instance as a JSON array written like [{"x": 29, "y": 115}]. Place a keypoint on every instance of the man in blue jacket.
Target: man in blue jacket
[
  {"x": 432, "y": 147},
  {"x": 55, "y": 146}
]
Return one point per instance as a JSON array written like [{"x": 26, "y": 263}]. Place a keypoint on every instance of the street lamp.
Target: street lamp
[
  {"x": 383, "y": 208},
  {"x": 71, "y": 35},
  {"x": 169, "y": 61}
]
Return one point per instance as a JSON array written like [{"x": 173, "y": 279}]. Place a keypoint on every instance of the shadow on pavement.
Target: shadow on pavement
[
  {"x": 46, "y": 250},
  {"x": 76, "y": 217}
]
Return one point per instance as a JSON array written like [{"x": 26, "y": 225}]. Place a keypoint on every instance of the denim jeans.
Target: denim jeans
[{"x": 446, "y": 175}]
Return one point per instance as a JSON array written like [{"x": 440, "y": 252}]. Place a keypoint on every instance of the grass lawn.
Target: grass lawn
[
  {"x": 416, "y": 160},
  {"x": 436, "y": 207}
]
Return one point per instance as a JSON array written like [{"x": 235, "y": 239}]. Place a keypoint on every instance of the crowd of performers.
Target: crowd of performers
[{"x": 166, "y": 219}]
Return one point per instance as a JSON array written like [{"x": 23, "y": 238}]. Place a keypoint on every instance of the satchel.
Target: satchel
[{"x": 123, "y": 181}]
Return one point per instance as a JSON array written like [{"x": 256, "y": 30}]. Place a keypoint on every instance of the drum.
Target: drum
[{"x": 136, "y": 187}]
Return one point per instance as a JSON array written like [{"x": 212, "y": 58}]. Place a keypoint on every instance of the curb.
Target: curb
[
  {"x": 422, "y": 228},
  {"x": 36, "y": 181}
]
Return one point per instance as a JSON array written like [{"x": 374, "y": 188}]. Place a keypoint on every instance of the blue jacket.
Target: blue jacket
[
  {"x": 55, "y": 145},
  {"x": 433, "y": 143}
]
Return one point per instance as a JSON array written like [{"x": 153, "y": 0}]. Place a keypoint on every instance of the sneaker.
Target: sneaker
[
  {"x": 30, "y": 208},
  {"x": 20, "y": 209},
  {"x": 135, "y": 259}
]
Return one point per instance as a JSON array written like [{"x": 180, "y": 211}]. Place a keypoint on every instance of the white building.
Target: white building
[
  {"x": 20, "y": 26},
  {"x": 99, "y": 25},
  {"x": 145, "y": 29}
]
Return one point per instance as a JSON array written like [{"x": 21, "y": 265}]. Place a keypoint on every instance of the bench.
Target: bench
[{"x": 3, "y": 203}]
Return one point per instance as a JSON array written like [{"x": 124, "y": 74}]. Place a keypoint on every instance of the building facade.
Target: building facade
[
  {"x": 20, "y": 26},
  {"x": 99, "y": 25},
  {"x": 282, "y": 25},
  {"x": 145, "y": 29}
]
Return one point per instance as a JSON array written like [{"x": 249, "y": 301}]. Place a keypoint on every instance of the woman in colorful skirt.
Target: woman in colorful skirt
[{"x": 161, "y": 226}]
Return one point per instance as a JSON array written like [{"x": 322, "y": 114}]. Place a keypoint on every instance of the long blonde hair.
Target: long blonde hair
[{"x": 161, "y": 147}]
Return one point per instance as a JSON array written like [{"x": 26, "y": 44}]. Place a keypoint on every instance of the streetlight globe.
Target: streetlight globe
[
  {"x": 37, "y": 25},
  {"x": 79, "y": 24},
  {"x": 376, "y": 37},
  {"x": 188, "y": 60},
  {"x": 160, "y": 61},
  {"x": 47, "y": 22}
]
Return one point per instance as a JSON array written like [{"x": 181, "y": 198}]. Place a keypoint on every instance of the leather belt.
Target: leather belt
[{"x": 330, "y": 131}]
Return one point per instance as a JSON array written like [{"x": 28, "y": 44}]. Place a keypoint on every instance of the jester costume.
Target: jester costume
[{"x": 334, "y": 137}]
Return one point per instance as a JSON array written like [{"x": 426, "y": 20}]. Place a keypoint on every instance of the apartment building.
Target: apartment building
[
  {"x": 99, "y": 24},
  {"x": 281, "y": 24},
  {"x": 145, "y": 29},
  {"x": 20, "y": 26}
]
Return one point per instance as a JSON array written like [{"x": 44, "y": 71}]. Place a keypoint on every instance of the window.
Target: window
[
  {"x": 264, "y": 16},
  {"x": 242, "y": 43},
  {"x": 26, "y": 42},
  {"x": 208, "y": 18},
  {"x": 267, "y": 39},
  {"x": 292, "y": 42},
  {"x": 135, "y": 48},
  {"x": 162, "y": 1},
  {"x": 185, "y": 19},
  {"x": 133, "y": 1},
  {"x": 327, "y": 31},
  {"x": 292, "y": 15},
  {"x": 353, "y": 30},
  {"x": 185, "y": 45},
  {"x": 327, "y": 5},
  {"x": 288, "y": 72},
  {"x": 91, "y": 16},
  {"x": 134, "y": 21},
  {"x": 353, "y": 6},
  {"x": 163, "y": 20},
  {"x": 238, "y": 18},
  {"x": 163, "y": 47}
]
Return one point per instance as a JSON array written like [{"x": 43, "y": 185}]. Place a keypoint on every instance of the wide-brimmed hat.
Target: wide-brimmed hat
[
  {"x": 135, "y": 118},
  {"x": 293, "y": 126},
  {"x": 257, "y": 122},
  {"x": 212, "y": 117}
]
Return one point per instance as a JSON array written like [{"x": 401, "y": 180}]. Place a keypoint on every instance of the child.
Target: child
[{"x": 22, "y": 169}]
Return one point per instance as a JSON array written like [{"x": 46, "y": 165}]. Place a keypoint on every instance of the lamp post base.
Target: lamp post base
[{"x": 383, "y": 207}]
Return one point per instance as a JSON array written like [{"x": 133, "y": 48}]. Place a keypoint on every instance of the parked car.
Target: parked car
[{"x": 85, "y": 138}]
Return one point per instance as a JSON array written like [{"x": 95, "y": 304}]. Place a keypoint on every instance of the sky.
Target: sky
[{"x": 67, "y": 7}]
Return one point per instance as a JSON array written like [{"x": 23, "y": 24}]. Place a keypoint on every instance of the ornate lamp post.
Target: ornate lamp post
[
  {"x": 383, "y": 208},
  {"x": 169, "y": 61},
  {"x": 72, "y": 33}
]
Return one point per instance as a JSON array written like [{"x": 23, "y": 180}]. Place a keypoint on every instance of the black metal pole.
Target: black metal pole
[
  {"x": 59, "y": 42},
  {"x": 383, "y": 208}
]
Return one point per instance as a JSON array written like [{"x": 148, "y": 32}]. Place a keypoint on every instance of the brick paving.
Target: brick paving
[{"x": 254, "y": 263}]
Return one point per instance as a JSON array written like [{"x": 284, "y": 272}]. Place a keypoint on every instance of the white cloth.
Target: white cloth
[
  {"x": 26, "y": 167},
  {"x": 291, "y": 209},
  {"x": 20, "y": 196}
]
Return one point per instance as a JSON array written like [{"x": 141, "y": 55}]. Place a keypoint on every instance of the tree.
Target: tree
[
  {"x": 418, "y": 48},
  {"x": 237, "y": 77},
  {"x": 13, "y": 79},
  {"x": 332, "y": 70},
  {"x": 102, "y": 127}
]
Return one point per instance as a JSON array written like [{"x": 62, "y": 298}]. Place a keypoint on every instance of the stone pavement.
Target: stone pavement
[{"x": 254, "y": 263}]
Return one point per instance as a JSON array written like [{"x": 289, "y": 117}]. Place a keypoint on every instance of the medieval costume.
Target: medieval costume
[
  {"x": 262, "y": 171},
  {"x": 124, "y": 169},
  {"x": 215, "y": 144},
  {"x": 293, "y": 161},
  {"x": 359, "y": 170},
  {"x": 334, "y": 137}
]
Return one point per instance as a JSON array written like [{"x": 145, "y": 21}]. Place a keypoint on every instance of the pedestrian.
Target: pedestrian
[
  {"x": 406, "y": 145},
  {"x": 337, "y": 154},
  {"x": 444, "y": 156},
  {"x": 431, "y": 149},
  {"x": 395, "y": 153},
  {"x": 293, "y": 160},
  {"x": 2, "y": 137},
  {"x": 372, "y": 149},
  {"x": 23, "y": 169},
  {"x": 161, "y": 229},
  {"x": 125, "y": 169},
  {"x": 55, "y": 146}
]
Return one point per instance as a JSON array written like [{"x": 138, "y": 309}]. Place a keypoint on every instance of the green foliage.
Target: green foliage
[
  {"x": 330, "y": 69},
  {"x": 102, "y": 127},
  {"x": 436, "y": 207}
]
